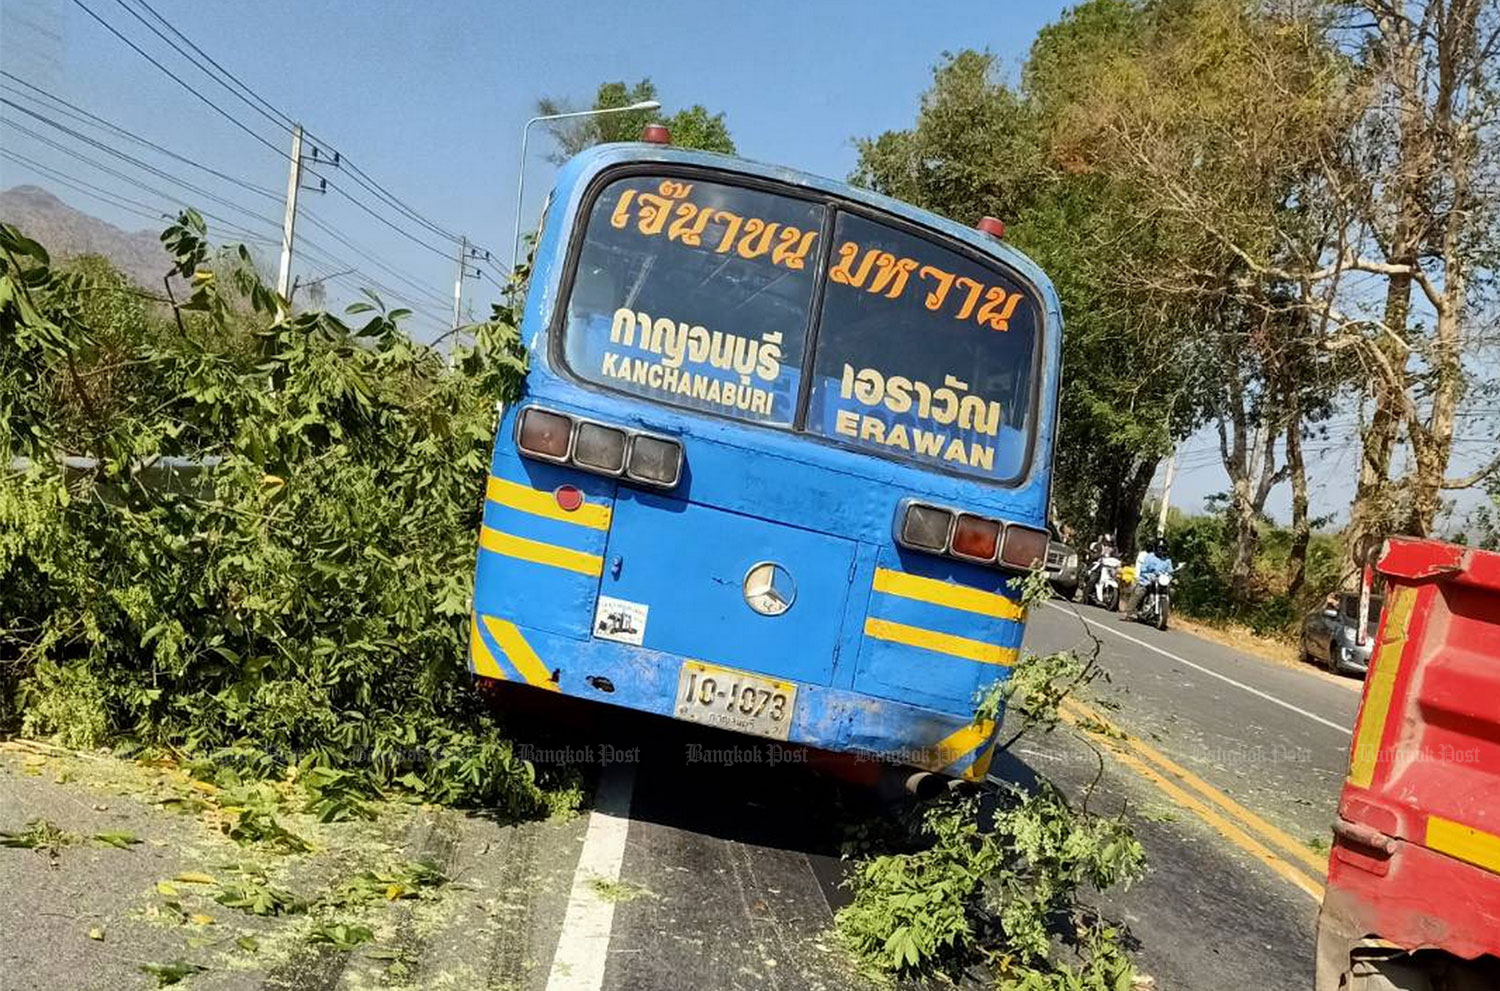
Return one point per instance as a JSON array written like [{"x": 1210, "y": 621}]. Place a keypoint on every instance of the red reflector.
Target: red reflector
[
  {"x": 568, "y": 498},
  {"x": 1024, "y": 547},
  {"x": 976, "y": 538},
  {"x": 545, "y": 434}
]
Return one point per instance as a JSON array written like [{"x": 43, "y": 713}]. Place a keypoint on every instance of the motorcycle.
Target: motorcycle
[
  {"x": 1102, "y": 585},
  {"x": 1156, "y": 604}
]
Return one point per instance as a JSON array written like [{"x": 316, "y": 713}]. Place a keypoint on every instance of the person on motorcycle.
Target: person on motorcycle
[
  {"x": 1104, "y": 546},
  {"x": 1153, "y": 561}
]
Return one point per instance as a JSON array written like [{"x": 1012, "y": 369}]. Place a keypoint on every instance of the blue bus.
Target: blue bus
[{"x": 782, "y": 458}]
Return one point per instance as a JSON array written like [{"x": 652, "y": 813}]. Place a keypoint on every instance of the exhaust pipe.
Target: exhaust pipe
[{"x": 924, "y": 785}]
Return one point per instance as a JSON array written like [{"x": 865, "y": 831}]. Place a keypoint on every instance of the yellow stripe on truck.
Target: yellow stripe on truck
[
  {"x": 1468, "y": 844},
  {"x": 594, "y": 515},
  {"x": 943, "y": 643},
  {"x": 538, "y": 552},
  {"x": 1364, "y": 754},
  {"x": 940, "y": 593}
]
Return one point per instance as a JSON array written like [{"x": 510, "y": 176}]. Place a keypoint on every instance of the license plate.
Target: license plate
[{"x": 735, "y": 700}]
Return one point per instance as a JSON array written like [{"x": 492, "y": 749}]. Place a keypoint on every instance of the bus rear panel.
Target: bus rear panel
[{"x": 782, "y": 457}]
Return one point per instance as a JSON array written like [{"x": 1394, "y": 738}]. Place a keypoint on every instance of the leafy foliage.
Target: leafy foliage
[
  {"x": 691, "y": 127},
  {"x": 1002, "y": 893},
  {"x": 291, "y": 589}
]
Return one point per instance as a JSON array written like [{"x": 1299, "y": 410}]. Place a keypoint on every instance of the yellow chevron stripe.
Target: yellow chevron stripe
[
  {"x": 593, "y": 515},
  {"x": 961, "y": 742},
  {"x": 479, "y": 653},
  {"x": 943, "y": 643},
  {"x": 519, "y": 653},
  {"x": 1384, "y": 666},
  {"x": 941, "y": 593},
  {"x": 539, "y": 553}
]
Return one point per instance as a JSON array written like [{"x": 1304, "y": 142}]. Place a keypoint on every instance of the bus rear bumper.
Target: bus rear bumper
[{"x": 639, "y": 678}]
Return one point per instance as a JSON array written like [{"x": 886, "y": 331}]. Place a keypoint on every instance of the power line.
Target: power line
[
  {"x": 253, "y": 101},
  {"x": 393, "y": 272},
  {"x": 84, "y": 116},
  {"x": 246, "y": 94},
  {"x": 179, "y": 80},
  {"x": 182, "y": 201},
  {"x": 144, "y": 166},
  {"x": 125, "y": 203},
  {"x": 399, "y": 230}
]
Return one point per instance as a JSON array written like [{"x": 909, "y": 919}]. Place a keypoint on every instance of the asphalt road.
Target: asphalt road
[
  {"x": 733, "y": 869},
  {"x": 711, "y": 862}
]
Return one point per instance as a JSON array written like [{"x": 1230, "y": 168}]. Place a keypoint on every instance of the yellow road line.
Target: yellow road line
[
  {"x": 484, "y": 662},
  {"x": 593, "y": 515},
  {"x": 1272, "y": 834},
  {"x": 540, "y": 553},
  {"x": 1220, "y": 823},
  {"x": 940, "y": 593},
  {"x": 519, "y": 653},
  {"x": 1384, "y": 666},
  {"x": 943, "y": 643},
  {"x": 1475, "y": 846}
]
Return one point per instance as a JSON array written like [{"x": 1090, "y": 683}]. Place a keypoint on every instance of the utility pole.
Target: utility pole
[
  {"x": 289, "y": 222},
  {"x": 468, "y": 268},
  {"x": 1166, "y": 496},
  {"x": 458, "y": 280}
]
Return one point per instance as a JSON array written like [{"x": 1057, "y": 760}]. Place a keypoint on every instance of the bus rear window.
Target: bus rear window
[
  {"x": 924, "y": 353},
  {"x": 697, "y": 294}
]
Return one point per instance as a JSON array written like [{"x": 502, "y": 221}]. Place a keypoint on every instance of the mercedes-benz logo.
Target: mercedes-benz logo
[{"x": 769, "y": 588}]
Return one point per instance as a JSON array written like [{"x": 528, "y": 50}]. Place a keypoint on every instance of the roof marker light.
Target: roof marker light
[
  {"x": 993, "y": 226},
  {"x": 656, "y": 134}
]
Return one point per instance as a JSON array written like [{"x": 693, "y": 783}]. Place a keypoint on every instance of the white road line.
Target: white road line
[
  {"x": 583, "y": 943},
  {"x": 1208, "y": 671}
]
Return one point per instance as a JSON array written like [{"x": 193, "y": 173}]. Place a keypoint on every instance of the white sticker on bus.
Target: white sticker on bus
[{"x": 617, "y": 619}]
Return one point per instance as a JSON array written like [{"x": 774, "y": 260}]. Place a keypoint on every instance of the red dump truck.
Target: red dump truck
[{"x": 1413, "y": 897}]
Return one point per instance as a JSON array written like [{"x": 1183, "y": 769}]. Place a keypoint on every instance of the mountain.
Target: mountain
[{"x": 67, "y": 233}]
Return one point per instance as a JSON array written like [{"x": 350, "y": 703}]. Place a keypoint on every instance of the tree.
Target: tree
[
  {"x": 1176, "y": 113},
  {"x": 1422, "y": 176},
  {"x": 981, "y": 147},
  {"x": 691, "y": 127}
]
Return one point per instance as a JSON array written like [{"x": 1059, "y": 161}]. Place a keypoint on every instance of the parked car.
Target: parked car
[
  {"x": 1328, "y": 633},
  {"x": 1062, "y": 568}
]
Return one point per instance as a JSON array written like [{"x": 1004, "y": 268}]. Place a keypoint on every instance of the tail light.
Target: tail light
[
  {"x": 926, "y": 528},
  {"x": 544, "y": 434},
  {"x": 1024, "y": 547},
  {"x": 655, "y": 460},
  {"x": 968, "y": 537},
  {"x": 976, "y": 537},
  {"x": 599, "y": 448}
]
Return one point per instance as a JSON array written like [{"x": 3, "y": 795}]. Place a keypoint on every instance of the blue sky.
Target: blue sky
[{"x": 429, "y": 100}]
